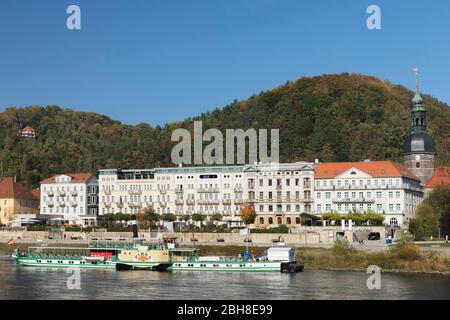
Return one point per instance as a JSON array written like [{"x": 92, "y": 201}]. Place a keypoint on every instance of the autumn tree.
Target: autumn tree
[{"x": 248, "y": 213}]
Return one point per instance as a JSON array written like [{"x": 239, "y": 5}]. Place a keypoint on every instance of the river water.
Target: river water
[{"x": 17, "y": 282}]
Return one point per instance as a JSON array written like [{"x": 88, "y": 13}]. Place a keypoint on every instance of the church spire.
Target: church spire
[
  {"x": 417, "y": 100},
  {"x": 418, "y": 113}
]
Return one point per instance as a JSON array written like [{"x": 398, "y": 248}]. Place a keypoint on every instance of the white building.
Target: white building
[
  {"x": 181, "y": 191},
  {"x": 72, "y": 197},
  {"x": 378, "y": 186},
  {"x": 210, "y": 190}
]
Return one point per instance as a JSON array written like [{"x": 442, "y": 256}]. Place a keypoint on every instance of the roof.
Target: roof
[
  {"x": 36, "y": 193},
  {"x": 9, "y": 189},
  {"x": 419, "y": 142},
  {"x": 76, "y": 177},
  {"x": 376, "y": 169},
  {"x": 441, "y": 176},
  {"x": 28, "y": 128}
]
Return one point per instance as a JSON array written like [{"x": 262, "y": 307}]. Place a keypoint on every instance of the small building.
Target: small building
[
  {"x": 16, "y": 200},
  {"x": 28, "y": 132},
  {"x": 70, "y": 198}
]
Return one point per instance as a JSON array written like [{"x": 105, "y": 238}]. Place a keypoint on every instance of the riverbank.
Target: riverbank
[
  {"x": 399, "y": 258},
  {"x": 406, "y": 258}
]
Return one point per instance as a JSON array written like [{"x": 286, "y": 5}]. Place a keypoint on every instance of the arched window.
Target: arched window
[
  {"x": 421, "y": 121},
  {"x": 417, "y": 164},
  {"x": 297, "y": 220},
  {"x": 417, "y": 121},
  {"x": 270, "y": 220},
  {"x": 288, "y": 220},
  {"x": 279, "y": 221},
  {"x": 261, "y": 220},
  {"x": 393, "y": 222}
]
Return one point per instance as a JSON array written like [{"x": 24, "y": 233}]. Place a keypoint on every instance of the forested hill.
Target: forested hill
[{"x": 345, "y": 117}]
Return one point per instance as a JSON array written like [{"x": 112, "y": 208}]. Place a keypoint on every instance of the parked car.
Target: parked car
[{"x": 374, "y": 236}]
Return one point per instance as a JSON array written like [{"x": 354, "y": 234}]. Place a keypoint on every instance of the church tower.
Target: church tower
[{"x": 419, "y": 149}]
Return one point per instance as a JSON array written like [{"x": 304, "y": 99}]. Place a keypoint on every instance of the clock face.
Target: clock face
[{"x": 417, "y": 157}]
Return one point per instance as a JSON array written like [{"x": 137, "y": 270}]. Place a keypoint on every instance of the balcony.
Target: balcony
[
  {"x": 61, "y": 204},
  {"x": 50, "y": 193},
  {"x": 190, "y": 202},
  {"x": 107, "y": 191},
  {"x": 61, "y": 193},
  {"x": 354, "y": 200},
  {"x": 74, "y": 194},
  {"x": 163, "y": 191},
  {"x": 134, "y": 192},
  {"x": 208, "y": 190},
  {"x": 238, "y": 201},
  {"x": 179, "y": 202},
  {"x": 162, "y": 204},
  {"x": 226, "y": 201},
  {"x": 238, "y": 190},
  {"x": 73, "y": 204},
  {"x": 107, "y": 204},
  {"x": 50, "y": 204},
  {"x": 119, "y": 204},
  {"x": 135, "y": 204},
  {"x": 179, "y": 190}
]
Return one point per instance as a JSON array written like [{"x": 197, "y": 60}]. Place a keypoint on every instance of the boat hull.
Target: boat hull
[
  {"x": 227, "y": 266},
  {"x": 63, "y": 263}
]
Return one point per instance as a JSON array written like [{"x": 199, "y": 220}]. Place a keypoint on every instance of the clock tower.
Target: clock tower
[{"x": 419, "y": 149}]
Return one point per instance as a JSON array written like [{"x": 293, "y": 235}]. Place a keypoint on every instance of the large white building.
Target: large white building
[
  {"x": 378, "y": 186},
  {"x": 277, "y": 191},
  {"x": 71, "y": 197}
]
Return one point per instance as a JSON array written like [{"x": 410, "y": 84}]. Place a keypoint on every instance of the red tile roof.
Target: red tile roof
[
  {"x": 376, "y": 169},
  {"x": 28, "y": 128},
  {"x": 13, "y": 190},
  {"x": 36, "y": 193},
  {"x": 441, "y": 176},
  {"x": 76, "y": 177}
]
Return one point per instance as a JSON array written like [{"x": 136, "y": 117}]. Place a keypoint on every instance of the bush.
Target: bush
[
  {"x": 38, "y": 228},
  {"x": 342, "y": 247},
  {"x": 279, "y": 229},
  {"x": 406, "y": 251}
]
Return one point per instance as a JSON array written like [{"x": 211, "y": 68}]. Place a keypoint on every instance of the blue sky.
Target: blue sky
[{"x": 158, "y": 61}]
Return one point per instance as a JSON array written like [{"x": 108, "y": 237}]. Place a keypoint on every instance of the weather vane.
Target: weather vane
[{"x": 416, "y": 71}]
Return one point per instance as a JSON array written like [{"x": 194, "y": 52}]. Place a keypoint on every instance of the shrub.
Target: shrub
[
  {"x": 406, "y": 251},
  {"x": 342, "y": 247},
  {"x": 279, "y": 229}
]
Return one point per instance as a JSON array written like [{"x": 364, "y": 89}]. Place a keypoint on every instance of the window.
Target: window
[
  {"x": 417, "y": 164},
  {"x": 393, "y": 222},
  {"x": 288, "y": 220},
  {"x": 279, "y": 221},
  {"x": 270, "y": 220},
  {"x": 261, "y": 220}
]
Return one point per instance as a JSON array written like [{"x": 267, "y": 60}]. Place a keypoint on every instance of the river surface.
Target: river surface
[{"x": 18, "y": 282}]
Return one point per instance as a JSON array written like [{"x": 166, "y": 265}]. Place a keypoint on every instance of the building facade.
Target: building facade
[
  {"x": 270, "y": 189},
  {"x": 181, "y": 191},
  {"x": 16, "y": 200},
  {"x": 71, "y": 197},
  {"x": 280, "y": 193},
  {"x": 371, "y": 186}
]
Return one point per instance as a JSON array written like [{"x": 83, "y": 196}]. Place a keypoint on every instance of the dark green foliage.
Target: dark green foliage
[{"x": 346, "y": 117}]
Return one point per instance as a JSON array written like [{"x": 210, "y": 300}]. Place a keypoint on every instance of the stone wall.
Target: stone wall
[{"x": 301, "y": 236}]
